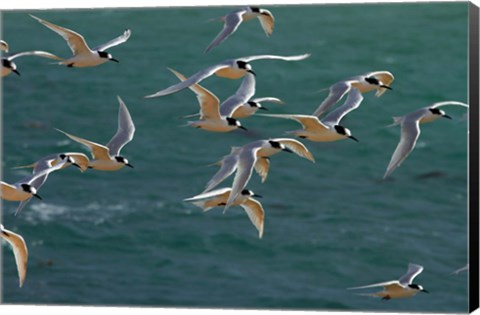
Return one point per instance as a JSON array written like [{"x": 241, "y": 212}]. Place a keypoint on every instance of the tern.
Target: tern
[
  {"x": 244, "y": 159},
  {"x": 400, "y": 288},
  {"x": 252, "y": 106},
  {"x": 230, "y": 69},
  {"x": 107, "y": 157},
  {"x": 83, "y": 56},
  {"x": 410, "y": 125},
  {"x": 25, "y": 188},
  {"x": 233, "y": 20},
  {"x": 8, "y": 66},
  {"x": 378, "y": 80},
  {"x": 211, "y": 118},
  {"x": 79, "y": 160},
  {"x": 219, "y": 197},
  {"x": 326, "y": 129},
  {"x": 19, "y": 251}
]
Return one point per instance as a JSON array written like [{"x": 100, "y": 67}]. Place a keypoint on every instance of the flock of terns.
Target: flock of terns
[{"x": 215, "y": 116}]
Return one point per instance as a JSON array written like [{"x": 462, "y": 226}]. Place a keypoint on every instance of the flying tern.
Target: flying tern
[
  {"x": 400, "y": 288},
  {"x": 25, "y": 188},
  {"x": 244, "y": 159},
  {"x": 107, "y": 157},
  {"x": 8, "y": 66},
  {"x": 83, "y": 56},
  {"x": 410, "y": 125},
  {"x": 210, "y": 117},
  {"x": 79, "y": 160},
  {"x": 326, "y": 129},
  {"x": 378, "y": 80},
  {"x": 230, "y": 69},
  {"x": 219, "y": 197},
  {"x": 233, "y": 20}
]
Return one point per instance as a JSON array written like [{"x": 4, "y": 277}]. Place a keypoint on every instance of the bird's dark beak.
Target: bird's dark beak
[
  {"x": 113, "y": 59},
  {"x": 287, "y": 150},
  {"x": 75, "y": 164},
  {"x": 129, "y": 165},
  {"x": 353, "y": 138},
  {"x": 251, "y": 71},
  {"x": 425, "y": 291},
  {"x": 258, "y": 196},
  {"x": 16, "y": 71},
  {"x": 446, "y": 116},
  {"x": 386, "y": 87},
  {"x": 263, "y": 108},
  {"x": 243, "y": 128},
  {"x": 37, "y": 196}
]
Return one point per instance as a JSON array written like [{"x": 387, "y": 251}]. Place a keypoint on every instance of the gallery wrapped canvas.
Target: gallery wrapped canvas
[{"x": 281, "y": 157}]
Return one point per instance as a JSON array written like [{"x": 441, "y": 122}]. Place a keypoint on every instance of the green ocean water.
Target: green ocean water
[{"x": 126, "y": 237}]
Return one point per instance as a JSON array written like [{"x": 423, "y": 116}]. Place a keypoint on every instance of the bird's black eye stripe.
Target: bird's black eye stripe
[{"x": 372, "y": 80}]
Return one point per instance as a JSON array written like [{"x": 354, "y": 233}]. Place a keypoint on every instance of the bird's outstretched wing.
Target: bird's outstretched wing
[
  {"x": 352, "y": 102},
  {"x": 228, "y": 165},
  {"x": 336, "y": 92},
  {"x": 241, "y": 96},
  {"x": 255, "y": 213},
  {"x": 99, "y": 151},
  {"x": 75, "y": 41},
  {"x": 409, "y": 136},
  {"x": 125, "y": 130},
  {"x": 231, "y": 22},
  {"x": 20, "y": 252},
  {"x": 297, "y": 147},
  {"x": 413, "y": 271},
  {"x": 114, "y": 42}
]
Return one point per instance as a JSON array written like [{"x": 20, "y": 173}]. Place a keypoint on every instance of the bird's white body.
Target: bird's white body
[
  {"x": 217, "y": 125},
  {"x": 219, "y": 197},
  {"x": 20, "y": 252},
  {"x": 395, "y": 291},
  {"x": 106, "y": 157},
  {"x": 317, "y": 134},
  {"x": 87, "y": 59}
]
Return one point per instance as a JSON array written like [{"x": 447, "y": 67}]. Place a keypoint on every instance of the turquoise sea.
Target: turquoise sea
[{"x": 127, "y": 238}]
